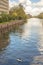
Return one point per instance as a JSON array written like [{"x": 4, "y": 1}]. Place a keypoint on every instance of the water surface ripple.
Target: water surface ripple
[{"x": 25, "y": 44}]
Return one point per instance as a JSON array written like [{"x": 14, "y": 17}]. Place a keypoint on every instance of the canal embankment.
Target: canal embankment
[{"x": 7, "y": 26}]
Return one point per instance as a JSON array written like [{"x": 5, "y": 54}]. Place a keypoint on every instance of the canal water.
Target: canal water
[{"x": 23, "y": 45}]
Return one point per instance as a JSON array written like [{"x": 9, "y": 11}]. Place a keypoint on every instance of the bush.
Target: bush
[
  {"x": 0, "y": 19},
  {"x": 4, "y": 17}
]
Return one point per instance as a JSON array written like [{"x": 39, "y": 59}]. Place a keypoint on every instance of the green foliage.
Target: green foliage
[
  {"x": 0, "y": 19},
  {"x": 40, "y": 16},
  {"x": 18, "y": 12},
  {"x": 4, "y": 17},
  {"x": 29, "y": 16}
]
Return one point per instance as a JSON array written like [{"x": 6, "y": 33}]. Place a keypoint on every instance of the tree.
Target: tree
[
  {"x": 4, "y": 17},
  {"x": 18, "y": 12}
]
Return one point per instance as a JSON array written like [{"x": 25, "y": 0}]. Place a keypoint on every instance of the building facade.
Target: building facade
[{"x": 4, "y": 6}]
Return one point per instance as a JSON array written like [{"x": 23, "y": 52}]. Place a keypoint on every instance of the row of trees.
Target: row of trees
[
  {"x": 40, "y": 16},
  {"x": 16, "y": 13}
]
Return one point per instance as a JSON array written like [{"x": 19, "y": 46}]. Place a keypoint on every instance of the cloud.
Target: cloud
[
  {"x": 34, "y": 8},
  {"x": 30, "y": 7},
  {"x": 40, "y": 3},
  {"x": 12, "y": 3},
  {"x": 22, "y": 1}
]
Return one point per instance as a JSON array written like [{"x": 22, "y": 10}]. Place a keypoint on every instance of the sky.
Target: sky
[{"x": 33, "y": 7}]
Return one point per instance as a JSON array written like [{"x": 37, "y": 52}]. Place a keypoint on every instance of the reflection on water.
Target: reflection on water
[
  {"x": 4, "y": 41},
  {"x": 24, "y": 43}
]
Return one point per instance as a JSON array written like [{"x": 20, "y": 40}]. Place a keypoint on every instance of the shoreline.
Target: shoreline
[
  {"x": 9, "y": 25},
  {"x": 3, "y": 25}
]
